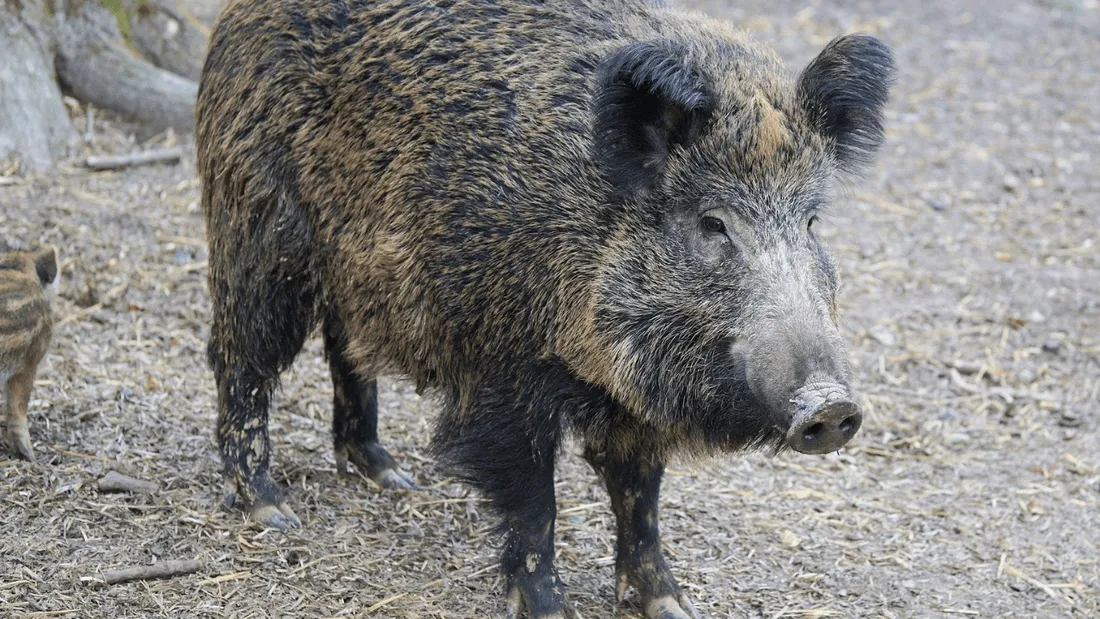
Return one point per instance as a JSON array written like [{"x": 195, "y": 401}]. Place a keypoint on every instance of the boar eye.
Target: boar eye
[
  {"x": 810, "y": 224},
  {"x": 713, "y": 224}
]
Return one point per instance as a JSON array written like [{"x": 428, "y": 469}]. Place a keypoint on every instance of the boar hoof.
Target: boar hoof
[
  {"x": 397, "y": 479},
  {"x": 277, "y": 516},
  {"x": 376, "y": 463},
  {"x": 668, "y": 607},
  {"x": 265, "y": 508},
  {"x": 20, "y": 439},
  {"x": 540, "y": 601}
]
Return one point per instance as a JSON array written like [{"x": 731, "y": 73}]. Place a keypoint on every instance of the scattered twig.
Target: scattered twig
[
  {"x": 89, "y": 125},
  {"x": 1015, "y": 573},
  {"x": 117, "y": 482},
  {"x": 113, "y": 162},
  {"x": 382, "y": 603},
  {"x": 1004, "y": 392},
  {"x": 1021, "y": 394},
  {"x": 75, "y": 316},
  {"x": 163, "y": 569}
]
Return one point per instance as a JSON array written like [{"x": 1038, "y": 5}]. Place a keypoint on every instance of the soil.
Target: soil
[{"x": 971, "y": 302}]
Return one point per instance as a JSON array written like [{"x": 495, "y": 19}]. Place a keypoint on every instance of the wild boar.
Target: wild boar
[
  {"x": 27, "y": 277},
  {"x": 586, "y": 217}
]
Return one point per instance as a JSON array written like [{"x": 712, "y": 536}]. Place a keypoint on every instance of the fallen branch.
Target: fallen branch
[
  {"x": 163, "y": 569},
  {"x": 117, "y": 482},
  {"x": 114, "y": 162}
]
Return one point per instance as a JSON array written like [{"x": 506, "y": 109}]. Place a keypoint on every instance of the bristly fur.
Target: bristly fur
[{"x": 498, "y": 200}]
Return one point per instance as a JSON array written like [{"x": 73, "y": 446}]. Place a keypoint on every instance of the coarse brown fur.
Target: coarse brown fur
[
  {"x": 499, "y": 201},
  {"x": 26, "y": 324}
]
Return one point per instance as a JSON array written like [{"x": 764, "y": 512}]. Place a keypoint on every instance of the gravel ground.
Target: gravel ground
[{"x": 972, "y": 306}]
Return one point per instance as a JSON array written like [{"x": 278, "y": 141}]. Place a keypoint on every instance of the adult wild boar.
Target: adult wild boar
[{"x": 587, "y": 217}]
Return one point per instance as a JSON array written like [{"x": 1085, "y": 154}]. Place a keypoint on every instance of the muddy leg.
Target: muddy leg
[
  {"x": 528, "y": 562},
  {"x": 355, "y": 418},
  {"x": 246, "y": 450},
  {"x": 511, "y": 461},
  {"x": 18, "y": 397},
  {"x": 263, "y": 293},
  {"x": 634, "y": 485}
]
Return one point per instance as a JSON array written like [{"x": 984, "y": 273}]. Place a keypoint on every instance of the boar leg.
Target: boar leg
[
  {"x": 355, "y": 418},
  {"x": 507, "y": 449},
  {"x": 248, "y": 350},
  {"x": 521, "y": 488},
  {"x": 18, "y": 397},
  {"x": 263, "y": 291},
  {"x": 528, "y": 564},
  {"x": 246, "y": 450},
  {"x": 634, "y": 484}
]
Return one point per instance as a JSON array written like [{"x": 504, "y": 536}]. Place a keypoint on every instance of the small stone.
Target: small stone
[
  {"x": 1069, "y": 419},
  {"x": 1052, "y": 346},
  {"x": 1011, "y": 182},
  {"x": 182, "y": 257},
  {"x": 937, "y": 205},
  {"x": 789, "y": 539},
  {"x": 967, "y": 367},
  {"x": 882, "y": 335}
]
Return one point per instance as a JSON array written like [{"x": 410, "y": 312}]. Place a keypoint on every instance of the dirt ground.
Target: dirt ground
[{"x": 971, "y": 299}]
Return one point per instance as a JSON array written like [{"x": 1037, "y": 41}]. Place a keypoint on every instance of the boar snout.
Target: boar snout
[
  {"x": 802, "y": 382},
  {"x": 823, "y": 419}
]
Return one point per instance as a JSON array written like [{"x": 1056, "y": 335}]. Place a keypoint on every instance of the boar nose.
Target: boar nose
[{"x": 823, "y": 419}]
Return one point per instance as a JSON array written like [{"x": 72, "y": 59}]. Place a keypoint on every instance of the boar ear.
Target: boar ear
[
  {"x": 45, "y": 263},
  {"x": 646, "y": 102},
  {"x": 845, "y": 90}
]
